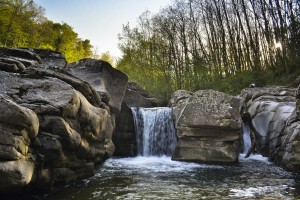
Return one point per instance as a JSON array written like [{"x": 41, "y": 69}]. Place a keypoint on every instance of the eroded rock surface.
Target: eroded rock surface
[
  {"x": 124, "y": 136},
  {"x": 208, "y": 126},
  {"x": 109, "y": 83},
  {"x": 55, "y": 127},
  {"x": 275, "y": 116}
]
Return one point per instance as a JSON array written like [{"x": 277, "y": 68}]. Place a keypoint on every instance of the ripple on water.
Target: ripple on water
[{"x": 162, "y": 178}]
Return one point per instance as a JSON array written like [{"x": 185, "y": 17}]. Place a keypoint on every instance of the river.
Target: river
[{"x": 161, "y": 178}]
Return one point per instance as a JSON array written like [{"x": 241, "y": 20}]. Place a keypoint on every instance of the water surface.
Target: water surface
[{"x": 161, "y": 178}]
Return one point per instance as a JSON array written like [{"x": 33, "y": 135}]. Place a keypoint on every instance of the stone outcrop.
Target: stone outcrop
[
  {"x": 18, "y": 126},
  {"x": 275, "y": 117},
  {"x": 55, "y": 126},
  {"x": 124, "y": 137},
  {"x": 136, "y": 96},
  {"x": 109, "y": 83},
  {"x": 50, "y": 58},
  {"x": 208, "y": 126}
]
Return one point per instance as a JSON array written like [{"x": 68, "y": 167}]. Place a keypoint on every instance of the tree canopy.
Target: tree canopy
[
  {"x": 108, "y": 58},
  {"x": 218, "y": 44},
  {"x": 23, "y": 24}
]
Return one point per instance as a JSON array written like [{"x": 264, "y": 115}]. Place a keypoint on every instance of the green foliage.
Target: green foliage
[
  {"x": 108, "y": 58},
  {"x": 219, "y": 44},
  {"x": 22, "y": 24}
]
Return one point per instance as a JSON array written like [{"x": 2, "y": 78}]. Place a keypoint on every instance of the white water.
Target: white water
[
  {"x": 156, "y": 135},
  {"x": 154, "y": 164},
  {"x": 246, "y": 137}
]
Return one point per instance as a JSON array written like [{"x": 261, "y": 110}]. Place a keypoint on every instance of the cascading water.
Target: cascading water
[
  {"x": 156, "y": 135},
  {"x": 246, "y": 137}
]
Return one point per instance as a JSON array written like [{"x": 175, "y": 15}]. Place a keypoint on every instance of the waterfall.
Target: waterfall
[
  {"x": 246, "y": 137},
  {"x": 156, "y": 135}
]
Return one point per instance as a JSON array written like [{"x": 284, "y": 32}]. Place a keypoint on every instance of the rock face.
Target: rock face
[
  {"x": 275, "y": 117},
  {"x": 19, "y": 125},
  {"x": 109, "y": 83},
  {"x": 208, "y": 126},
  {"x": 50, "y": 58},
  {"x": 136, "y": 96},
  {"x": 54, "y": 126},
  {"x": 124, "y": 137}
]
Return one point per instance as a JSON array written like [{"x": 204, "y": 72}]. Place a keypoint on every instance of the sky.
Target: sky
[{"x": 100, "y": 21}]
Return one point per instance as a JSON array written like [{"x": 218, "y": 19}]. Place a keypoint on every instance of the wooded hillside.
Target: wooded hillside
[
  {"x": 23, "y": 24},
  {"x": 218, "y": 44}
]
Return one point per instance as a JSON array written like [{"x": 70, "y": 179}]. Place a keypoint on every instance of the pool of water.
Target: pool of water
[{"x": 162, "y": 178}]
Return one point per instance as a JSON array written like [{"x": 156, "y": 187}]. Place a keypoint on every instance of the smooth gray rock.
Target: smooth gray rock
[
  {"x": 50, "y": 58},
  {"x": 208, "y": 126},
  {"x": 110, "y": 83},
  {"x": 274, "y": 113}
]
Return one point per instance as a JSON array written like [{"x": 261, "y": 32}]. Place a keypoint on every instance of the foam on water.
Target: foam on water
[
  {"x": 254, "y": 157},
  {"x": 161, "y": 178},
  {"x": 259, "y": 191},
  {"x": 154, "y": 164}
]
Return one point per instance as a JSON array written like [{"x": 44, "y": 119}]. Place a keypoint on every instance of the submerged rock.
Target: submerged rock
[
  {"x": 275, "y": 117},
  {"x": 54, "y": 126},
  {"x": 208, "y": 126}
]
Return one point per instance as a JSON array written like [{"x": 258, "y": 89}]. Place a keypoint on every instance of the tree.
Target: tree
[
  {"x": 108, "y": 58},
  {"x": 17, "y": 17},
  {"x": 22, "y": 24},
  {"x": 194, "y": 44}
]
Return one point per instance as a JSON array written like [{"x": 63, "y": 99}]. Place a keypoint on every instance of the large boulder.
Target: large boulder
[
  {"x": 16, "y": 60},
  {"x": 109, "y": 82},
  {"x": 275, "y": 117},
  {"x": 208, "y": 126},
  {"x": 55, "y": 127}
]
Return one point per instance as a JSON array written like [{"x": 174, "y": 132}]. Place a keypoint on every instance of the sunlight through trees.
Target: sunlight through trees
[{"x": 193, "y": 44}]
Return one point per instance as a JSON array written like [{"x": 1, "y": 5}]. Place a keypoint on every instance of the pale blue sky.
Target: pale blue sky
[{"x": 100, "y": 20}]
